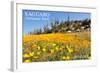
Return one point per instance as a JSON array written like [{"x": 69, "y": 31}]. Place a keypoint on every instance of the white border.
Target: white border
[{"x": 17, "y": 58}]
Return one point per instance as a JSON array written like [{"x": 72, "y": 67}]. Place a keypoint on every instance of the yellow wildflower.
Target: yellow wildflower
[
  {"x": 57, "y": 48},
  {"x": 44, "y": 49},
  {"x": 38, "y": 47},
  {"x": 64, "y": 57},
  {"x": 54, "y": 44},
  {"x": 70, "y": 50},
  {"x": 32, "y": 53},
  {"x": 27, "y": 61},
  {"x": 26, "y": 55},
  {"x": 38, "y": 53},
  {"x": 68, "y": 57}
]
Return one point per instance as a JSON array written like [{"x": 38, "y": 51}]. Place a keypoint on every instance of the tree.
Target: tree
[{"x": 46, "y": 29}]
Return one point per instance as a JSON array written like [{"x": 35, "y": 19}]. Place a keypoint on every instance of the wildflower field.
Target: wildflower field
[{"x": 56, "y": 47}]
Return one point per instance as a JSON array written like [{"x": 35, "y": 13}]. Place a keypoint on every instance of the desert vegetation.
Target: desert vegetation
[{"x": 62, "y": 41}]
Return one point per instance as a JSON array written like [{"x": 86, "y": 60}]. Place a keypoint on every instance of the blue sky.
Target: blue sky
[{"x": 35, "y": 19}]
